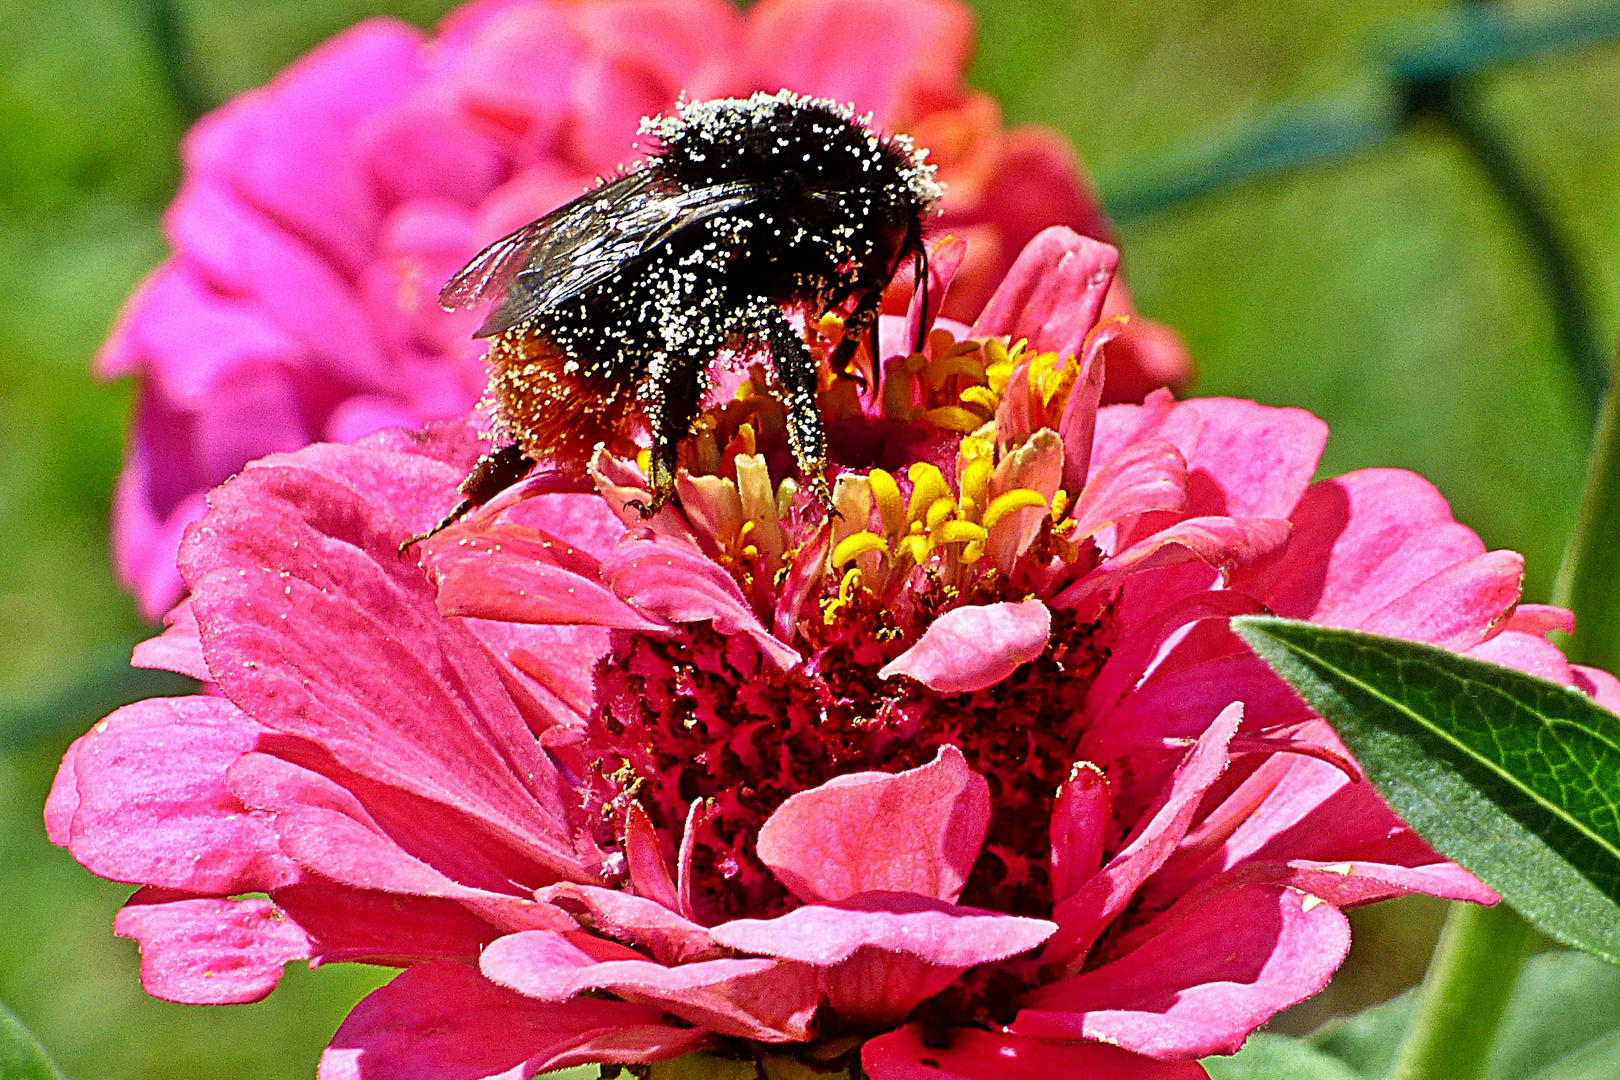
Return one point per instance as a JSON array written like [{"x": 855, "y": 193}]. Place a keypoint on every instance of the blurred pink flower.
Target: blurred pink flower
[
  {"x": 973, "y": 780},
  {"x": 319, "y": 215}
]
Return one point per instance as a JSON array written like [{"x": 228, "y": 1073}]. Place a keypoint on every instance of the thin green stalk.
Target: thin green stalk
[
  {"x": 1462, "y": 997},
  {"x": 1480, "y": 950}
]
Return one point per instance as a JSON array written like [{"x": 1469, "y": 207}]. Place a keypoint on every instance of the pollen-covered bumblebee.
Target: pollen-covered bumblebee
[{"x": 613, "y": 307}]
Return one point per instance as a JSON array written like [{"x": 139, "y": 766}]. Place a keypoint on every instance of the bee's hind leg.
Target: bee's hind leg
[
  {"x": 495, "y": 472},
  {"x": 796, "y": 370}
]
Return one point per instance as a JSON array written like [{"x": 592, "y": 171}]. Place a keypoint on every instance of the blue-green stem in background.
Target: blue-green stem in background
[{"x": 1481, "y": 950}]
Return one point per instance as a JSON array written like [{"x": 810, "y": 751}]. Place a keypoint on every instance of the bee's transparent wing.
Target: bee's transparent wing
[{"x": 554, "y": 259}]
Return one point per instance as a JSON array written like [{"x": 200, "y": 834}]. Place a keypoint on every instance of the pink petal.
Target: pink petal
[
  {"x": 975, "y": 646},
  {"x": 944, "y": 259},
  {"x": 1603, "y": 687},
  {"x": 1361, "y": 541},
  {"x": 516, "y": 574},
  {"x": 824, "y": 48},
  {"x": 352, "y": 925},
  {"x": 936, "y": 931},
  {"x": 1082, "y": 820},
  {"x": 746, "y": 999},
  {"x": 1225, "y": 544},
  {"x": 211, "y": 952},
  {"x": 1205, "y": 982},
  {"x": 143, "y": 798},
  {"x": 649, "y": 873},
  {"x": 445, "y": 1022},
  {"x": 883, "y": 954},
  {"x": 1251, "y": 460},
  {"x": 645, "y": 924},
  {"x": 982, "y": 1055},
  {"x": 1457, "y": 607},
  {"x": 1149, "y": 475},
  {"x": 177, "y": 649},
  {"x": 1082, "y": 917},
  {"x": 1077, "y": 427},
  {"x": 1053, "y": 294},
  {"x": 1145, "y": 355},
  {"x": 1529, "y": 653},
  {"x": 314, "y": 624},
  {"x": 918, "y": 831},
  {"x": 1540, "y": 619},
  {"x": 675, "y": 581}
]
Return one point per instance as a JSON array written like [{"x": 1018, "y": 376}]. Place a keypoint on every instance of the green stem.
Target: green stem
[{"x": 1462, "y": 997}]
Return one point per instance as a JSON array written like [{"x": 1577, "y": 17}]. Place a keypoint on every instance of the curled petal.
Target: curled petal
[
  {"x": 177, "y": 649},
  {"x": 1458, "y": 607},
  {"x": 918, "y": 831},
  {"x": 975, "y": 646},
  {"x": 1053, "y": 294},
  {"x": 207, "y": 951},
  {"x": 1226, "y": 544},
  {"x": 1149, "y": 475}
]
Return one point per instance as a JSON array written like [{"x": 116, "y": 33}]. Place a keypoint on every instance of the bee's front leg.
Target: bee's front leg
[
  {"x": 671, "y": 396},
  {"x": 796, "y": 370}
]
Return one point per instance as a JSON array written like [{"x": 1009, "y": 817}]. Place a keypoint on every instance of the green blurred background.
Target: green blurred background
[{"x": 1390, "y": 292}]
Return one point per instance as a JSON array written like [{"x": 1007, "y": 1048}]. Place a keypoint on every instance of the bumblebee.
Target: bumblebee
[{"x": 613, "y": 308}]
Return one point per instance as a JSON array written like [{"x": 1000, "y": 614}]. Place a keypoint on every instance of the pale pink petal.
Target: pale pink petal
[
  {"x": 670, "y": 937},
  {"x": 971, "y": 1054},
  {"x": 143, "y": 798},
  {"x": 746, "y": 999},
  {"x": 975, "y": 646},
  {"x": 1083, "y": 916},
  {"x": 211, "y": 952},
  {"x": 1530, "y": 653},
  {"x": 1458, "y": 607},
  {"x": 446, "y": 1022},
  {"x": 676, "y": 581},
  {"x": 933, "y": 930},
  {"x": 1203, "y": 983},
  {"x": 918, "y": 831}
]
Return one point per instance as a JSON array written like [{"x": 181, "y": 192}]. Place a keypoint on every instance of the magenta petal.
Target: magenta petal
[
  {"x": 211, "y": 952},
  {"x": 746, "y": 999},
  {"x": 1083, "y": 916},
  {"x": 1457, "y": 607},
  {"x": 1053, "y": 294},
  {"x": 975, "y": 646},
  {"x": 918, "y": 831},
  {"x": 932, "y": 930},
  {"x": 676, "y": 581},
  {"x": 1226, "y": 544},
  {"x": 353, "y": 925},
  {"x": 1082, "y": 820},
  {"x": 985, "y": 1055},
  {"x": 143, "y": 798},
  {"x": 444, "y": 1021},
  {"x": 1202, "y": 984}
]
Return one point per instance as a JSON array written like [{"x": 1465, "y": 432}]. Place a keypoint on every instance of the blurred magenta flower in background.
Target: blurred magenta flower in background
[
  {"x": 319, "y": 216},
  {"x": 975, "y": 778}
]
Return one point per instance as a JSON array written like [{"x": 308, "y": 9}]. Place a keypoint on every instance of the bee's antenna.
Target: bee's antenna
[{"x": 922, "y": 283}]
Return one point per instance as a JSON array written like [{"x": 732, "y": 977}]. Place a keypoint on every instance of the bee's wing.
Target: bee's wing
[{"x": 554, "y": 259}]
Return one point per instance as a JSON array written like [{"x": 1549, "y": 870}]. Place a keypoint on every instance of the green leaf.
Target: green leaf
[
  {"x": 1589, "y": 575},
  {"x": 1277, "y": 1057},
  {"x": 1514, "y": 777},
  {"x": 1565, "y": 1009},
  {"x": 21, "y": 1056},
  {"x": 1367, "y": 1042}
]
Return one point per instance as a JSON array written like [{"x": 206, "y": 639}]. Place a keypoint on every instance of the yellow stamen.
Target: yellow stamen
[
  {"x": 1006, "y": 503},
  {"x": 856, "y": 545},
  {"x": 953, "y": 418},
  {"x": 887, "y": 493},
  {"x": 959, "y": 532}
]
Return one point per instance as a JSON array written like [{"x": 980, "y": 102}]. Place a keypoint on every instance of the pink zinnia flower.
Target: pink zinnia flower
[
  {"x": 319, "y": 216},
  {"x": 972, "y": 781}
]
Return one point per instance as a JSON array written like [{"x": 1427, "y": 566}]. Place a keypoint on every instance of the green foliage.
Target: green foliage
[
  {"x": 1514, "y": 777},
  {"x": 21, "y": 1056}
]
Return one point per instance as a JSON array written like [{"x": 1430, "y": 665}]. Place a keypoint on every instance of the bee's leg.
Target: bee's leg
[
  {"x": 862, "y": 319},
  {"x": 495, "y": 472},
  {"x": 671, "y": 407},
  {"x": 796, "y": 370}
]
